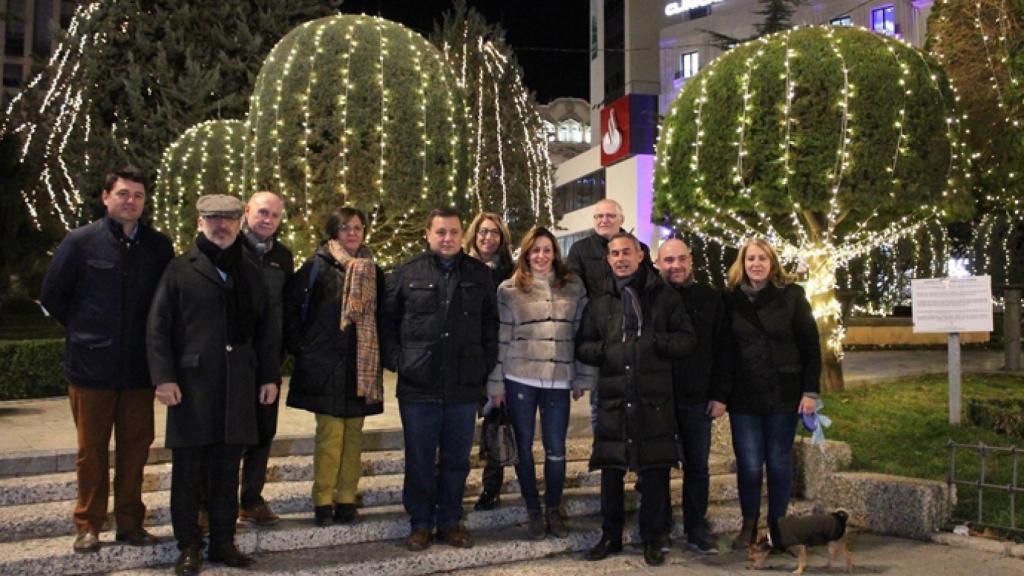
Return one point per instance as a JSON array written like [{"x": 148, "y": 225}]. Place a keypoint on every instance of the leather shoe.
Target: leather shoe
[
  {"x": 137, "y": 537},
  {"x": 604, "y": 548},
  {"x": 653, "y": 554},
  {"x": 418, "y": 540},
  {"x": 456, "y": 536},
  {"x": 261, "y": 514},
  {"x": 229, "y": 555},
  {"x": 488, "y": 501},
  {"x": 322, "y": 515},
  {"x": 87, "y": 542},
  {"x": 190, "y": 562},
  {"x": 345, "y": 513}
]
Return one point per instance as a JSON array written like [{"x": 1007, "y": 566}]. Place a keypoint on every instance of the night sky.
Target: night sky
[{"x": 550, "y": 37}]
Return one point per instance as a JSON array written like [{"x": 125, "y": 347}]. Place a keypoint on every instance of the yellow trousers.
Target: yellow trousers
[{"x": 336, "y": 460}]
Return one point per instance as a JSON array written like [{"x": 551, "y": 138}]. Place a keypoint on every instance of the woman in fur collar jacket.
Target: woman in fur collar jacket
[{"x": 540, "y": 309}]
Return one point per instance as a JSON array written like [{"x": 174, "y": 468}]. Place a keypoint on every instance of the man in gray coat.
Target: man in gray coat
[{"x": 208, "y": 350}]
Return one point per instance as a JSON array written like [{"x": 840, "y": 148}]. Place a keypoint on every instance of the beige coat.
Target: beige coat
[{"x": 537, "y": 336}]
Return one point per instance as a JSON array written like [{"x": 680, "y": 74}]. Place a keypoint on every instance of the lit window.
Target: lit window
[
  {"x": 575, "y": 131},
  {"x": 883, "y": 20},
  {"x": 689, "y": 64},
  {"x": 842, "y": 21},
  {"x": 563, "y": 132},
  {"x": 549, "y": 131}
]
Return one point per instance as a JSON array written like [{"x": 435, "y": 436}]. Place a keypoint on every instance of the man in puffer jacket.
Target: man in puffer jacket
[{"x": 633, "y": 332}]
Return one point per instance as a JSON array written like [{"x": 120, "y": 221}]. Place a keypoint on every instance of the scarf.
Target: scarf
[
  {"x": 240, "y": 310},
  {"x": 632, "y": 315},
  {"x": 359, "y": 307},
  {"x": 260, "y": 247}
]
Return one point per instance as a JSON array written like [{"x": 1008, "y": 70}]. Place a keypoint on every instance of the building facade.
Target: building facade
[
  {"x": 649, "y": 49},
  {"x": 28, "y": 33}
]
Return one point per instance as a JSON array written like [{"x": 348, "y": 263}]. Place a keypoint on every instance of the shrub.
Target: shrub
[{"x": 31, "y": 369}]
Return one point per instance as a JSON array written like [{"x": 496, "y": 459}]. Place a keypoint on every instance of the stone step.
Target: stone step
[
  {"x": 63, "y": 486},
  {"x": 378, "y": 530},
  {"x": 496, "y": 548},
  {"x": 53, "y": 518}
]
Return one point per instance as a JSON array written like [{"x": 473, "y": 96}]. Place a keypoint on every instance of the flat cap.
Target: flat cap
[{"x": 219, "y": 205}]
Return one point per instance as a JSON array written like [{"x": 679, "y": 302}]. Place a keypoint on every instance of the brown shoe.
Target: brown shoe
[
  {"x": 229, "y": 555},
  {"x": 418, "y": 540},
  {"x": 260, "y": 514},
  {"x": 456, "y": 536},
  {"x": 137, "y": 537},
  {"x": 190, "y": 561},
  {"x": 87, "y": 542}
]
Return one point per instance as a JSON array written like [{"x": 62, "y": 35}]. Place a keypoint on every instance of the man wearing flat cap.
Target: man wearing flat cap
[{"x": 210, "y": 354}]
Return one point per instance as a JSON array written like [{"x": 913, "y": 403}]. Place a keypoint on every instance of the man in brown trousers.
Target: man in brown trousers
[{"x": 99, "y": 286}]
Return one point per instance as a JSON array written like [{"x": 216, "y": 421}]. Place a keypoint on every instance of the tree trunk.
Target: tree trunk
[{"x": 821, "y": 283}]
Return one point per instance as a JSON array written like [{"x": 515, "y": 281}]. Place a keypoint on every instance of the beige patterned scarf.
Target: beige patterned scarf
[{"x": 359, "y": 307}]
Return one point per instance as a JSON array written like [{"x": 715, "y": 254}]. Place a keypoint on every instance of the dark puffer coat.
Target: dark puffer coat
[
  {"x": 636, "y": 426},
  {"x": 440, "y": 330},
  {"x": 776, "y": 356},
  {"x": 324, "y": 380},
  {"x": 700, "y": 376}
]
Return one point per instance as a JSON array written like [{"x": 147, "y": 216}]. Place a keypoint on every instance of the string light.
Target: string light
[
  {"x": 206, "y": 159},
  {"x": 837, "y": 232}
]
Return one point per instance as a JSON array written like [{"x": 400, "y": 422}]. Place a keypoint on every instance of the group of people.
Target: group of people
[{"x": 462, "y": 323}]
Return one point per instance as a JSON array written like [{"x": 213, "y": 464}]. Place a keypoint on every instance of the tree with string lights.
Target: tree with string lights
[
  {"x": 980, "y": 43},
  {"x": 828, "y": 142},
  {"x": 363, "y": 111},
  {"x": 510, "y": 173},
  {"x": 206, "y": 159},
  {"x": 126, "y": 79}
]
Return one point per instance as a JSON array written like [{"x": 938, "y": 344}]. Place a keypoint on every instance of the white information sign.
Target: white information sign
[{"x": 952, "y": 304}]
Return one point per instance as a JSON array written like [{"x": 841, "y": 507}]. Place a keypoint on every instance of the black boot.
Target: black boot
[
  {"x": 747, "y": 535},
  {"x": 488, "y": 500}
]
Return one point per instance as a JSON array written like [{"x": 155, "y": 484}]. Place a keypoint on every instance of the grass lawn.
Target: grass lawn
[{"x": 902, "y": 428}]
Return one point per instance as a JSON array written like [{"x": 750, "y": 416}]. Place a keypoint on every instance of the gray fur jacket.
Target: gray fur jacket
[{"x": 537, "y": 335}]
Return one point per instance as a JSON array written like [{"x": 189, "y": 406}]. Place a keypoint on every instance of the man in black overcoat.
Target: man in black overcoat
[
  {"x": 633, "y": 332},
  {"x": 209, "y": 351}
]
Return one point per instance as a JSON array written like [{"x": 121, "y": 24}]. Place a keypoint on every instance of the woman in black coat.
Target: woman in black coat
[
  {"x": 325, "y": 379},
  {"x": 776, "y": 363},
  {"x": 488, "y": 240}
]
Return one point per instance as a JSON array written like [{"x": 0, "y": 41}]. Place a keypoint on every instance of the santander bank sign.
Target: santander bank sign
[{"x": 680, "y": 6}]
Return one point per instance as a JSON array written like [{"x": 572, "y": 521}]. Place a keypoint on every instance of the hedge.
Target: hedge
[{"x": 31, "y": 369}]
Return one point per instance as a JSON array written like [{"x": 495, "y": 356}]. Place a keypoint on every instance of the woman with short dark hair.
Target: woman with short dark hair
[
  {"x": 776, "y": 367},
  {"x": 331, "y": 329}
]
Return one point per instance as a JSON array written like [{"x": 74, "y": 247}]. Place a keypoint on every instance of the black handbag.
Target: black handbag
[{"x": 498, "y": 439}]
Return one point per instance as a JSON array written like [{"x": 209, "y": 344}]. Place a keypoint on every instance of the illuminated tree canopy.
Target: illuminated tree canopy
[
  {"x": 206, "y": 159},
  {"x": 363, "y": 111},
  {"x": 826, "y": 141}
]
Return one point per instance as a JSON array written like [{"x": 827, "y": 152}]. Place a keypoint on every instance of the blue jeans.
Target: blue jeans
[
  {"x": 434, "y": 485},
  {"x": 764, "y": 440},
  {"x": 695, "y": 434},
  {"x": 523, "y": 402}
]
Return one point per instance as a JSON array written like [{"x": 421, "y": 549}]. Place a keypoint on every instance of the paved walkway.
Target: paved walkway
[
  {"x": 45, "y": 425},
  {"x": 872, "y": 554}
]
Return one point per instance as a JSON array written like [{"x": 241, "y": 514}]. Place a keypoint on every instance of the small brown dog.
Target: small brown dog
[{"x": 794, "y": 534}]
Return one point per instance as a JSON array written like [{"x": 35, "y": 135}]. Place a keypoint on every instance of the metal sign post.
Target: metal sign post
[
  {"x": 952, "y": 306},
  {"x": 955, "y": 393}
]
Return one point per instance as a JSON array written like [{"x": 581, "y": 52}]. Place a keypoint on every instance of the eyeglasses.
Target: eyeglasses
[
  {"x": 346, "y": 228},
  {"x": 219, "y": 217},
  {"x": 485, "y": 232},
  {"x": 606, "y": 216}
]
